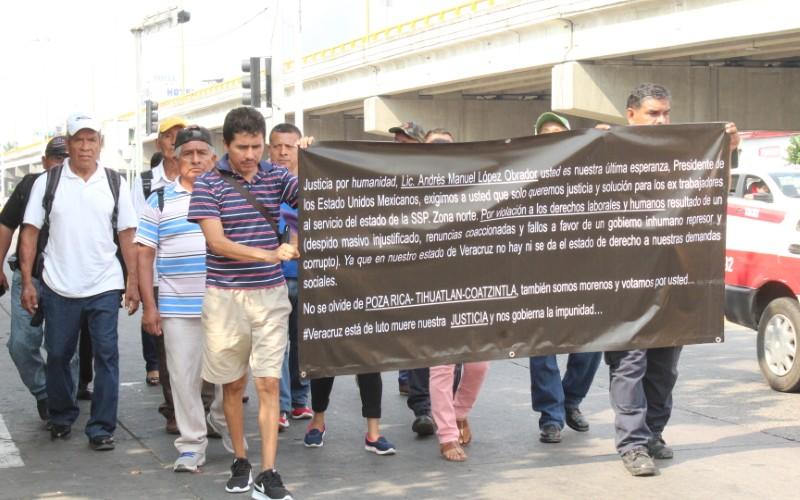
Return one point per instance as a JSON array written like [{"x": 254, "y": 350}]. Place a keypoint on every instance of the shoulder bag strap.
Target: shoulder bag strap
[{"x": 247, "y": 195}]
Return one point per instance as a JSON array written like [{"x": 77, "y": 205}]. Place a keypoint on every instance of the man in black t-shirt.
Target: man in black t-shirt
[{"x": 25, "y": 341}]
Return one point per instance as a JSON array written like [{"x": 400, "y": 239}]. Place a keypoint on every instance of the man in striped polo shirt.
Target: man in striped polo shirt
[
  {"x": 179, "y": 249},
  {"x": 246, "y": 306}
]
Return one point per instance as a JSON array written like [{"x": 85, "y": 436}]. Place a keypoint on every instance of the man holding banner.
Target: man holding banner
[
  {"x": 642, "y": 379},
  {"x": 557, "y": 399},
  {"x": 246, "y": 306}
]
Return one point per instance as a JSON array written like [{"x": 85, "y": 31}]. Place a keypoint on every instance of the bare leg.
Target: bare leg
[
  {"x": 318, "y": 421},
  {"x": 373, "y": 429},
  {"x": 234, "y": 414},
  {"x": 268, "y": 412}
]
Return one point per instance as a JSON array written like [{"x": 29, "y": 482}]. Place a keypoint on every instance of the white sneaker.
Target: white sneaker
[
  {"x": 189, "y": 461},
  {"x": 222, "y": 430},
  {"x": 283, "y": 422}
]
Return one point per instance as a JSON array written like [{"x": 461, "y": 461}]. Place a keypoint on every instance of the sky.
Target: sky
[{"x": 59, "y": 57}]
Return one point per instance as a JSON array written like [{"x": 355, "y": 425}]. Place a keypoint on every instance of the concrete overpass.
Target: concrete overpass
[{"x": 486, "y": 68}]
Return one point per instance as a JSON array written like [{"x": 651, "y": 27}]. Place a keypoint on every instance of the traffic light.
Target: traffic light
[
  {"x": 150, "y": 116},
  {"x": 251, "y": 82}
]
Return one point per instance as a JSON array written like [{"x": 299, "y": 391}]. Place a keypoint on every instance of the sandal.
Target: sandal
[
  {"x": 464, "y": 432},
  {"x": 152, "y": 380},
  {"x": 452, "y": 452}
]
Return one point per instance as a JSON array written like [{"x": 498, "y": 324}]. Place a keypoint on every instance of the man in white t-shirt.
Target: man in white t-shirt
[{"x": 82, "y": 276}]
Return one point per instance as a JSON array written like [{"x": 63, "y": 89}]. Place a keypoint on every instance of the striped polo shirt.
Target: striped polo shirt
[
  {"x": 180, "y": 253},
  {"x": 213, "y": 197}
]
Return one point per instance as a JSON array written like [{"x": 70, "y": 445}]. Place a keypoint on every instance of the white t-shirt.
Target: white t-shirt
[{"x": 80, "y": 256}]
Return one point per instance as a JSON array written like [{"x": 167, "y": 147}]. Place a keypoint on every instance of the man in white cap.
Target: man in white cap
[{"x": 76, "y": 212}]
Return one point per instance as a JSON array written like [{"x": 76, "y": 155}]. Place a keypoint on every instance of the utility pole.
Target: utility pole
[{"x": 155, "y": 22}]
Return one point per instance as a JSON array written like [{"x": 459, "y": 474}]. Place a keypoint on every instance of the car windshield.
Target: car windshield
[{"x": 789, "y": 182}]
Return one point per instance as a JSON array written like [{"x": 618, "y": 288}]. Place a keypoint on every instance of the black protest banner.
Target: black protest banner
[{"x": 426, "y": 254}]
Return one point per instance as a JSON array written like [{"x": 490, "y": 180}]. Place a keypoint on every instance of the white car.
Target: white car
[{"x": 762, "y": 267}]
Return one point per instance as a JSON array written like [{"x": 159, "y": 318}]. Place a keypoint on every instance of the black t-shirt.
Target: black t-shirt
[{"x": 14, "y": 211}]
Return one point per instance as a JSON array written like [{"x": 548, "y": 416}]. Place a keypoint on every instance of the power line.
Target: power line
[{"x": 214, "y": 38}]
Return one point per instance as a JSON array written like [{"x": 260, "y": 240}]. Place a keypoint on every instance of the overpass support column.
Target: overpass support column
[
  {"x": 755, "y": 98},
  {"x": 467, "y": 119}
]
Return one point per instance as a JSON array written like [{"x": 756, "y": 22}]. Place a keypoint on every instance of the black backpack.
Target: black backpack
[
  {"x": 53, "y": 177},
  {"x": 147, "y": 188},
  {"x": 147, "y": 182}
]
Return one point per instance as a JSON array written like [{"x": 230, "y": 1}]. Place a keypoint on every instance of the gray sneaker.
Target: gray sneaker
[
  {"x": 222, "y": 430},
  {"x": 639, "y": 463},
  {"x": 189, "y": 461},
  {"x": 658, "y": 449}
]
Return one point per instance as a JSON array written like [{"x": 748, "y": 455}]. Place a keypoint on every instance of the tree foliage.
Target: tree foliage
[{"x": 793, "y": 151}]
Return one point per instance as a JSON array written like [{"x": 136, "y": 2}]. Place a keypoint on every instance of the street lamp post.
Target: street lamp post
[{"x": 155, "y": 22}]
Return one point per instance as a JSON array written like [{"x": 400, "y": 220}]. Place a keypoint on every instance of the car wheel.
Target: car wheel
[{"x": 777, "y": 344}]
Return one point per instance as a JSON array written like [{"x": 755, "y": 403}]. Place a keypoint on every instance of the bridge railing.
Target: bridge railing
[{"x": 389, "y": 33}]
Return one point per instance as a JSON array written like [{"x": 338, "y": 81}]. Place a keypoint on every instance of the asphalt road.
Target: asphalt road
[{"x": 733, "y": 438}]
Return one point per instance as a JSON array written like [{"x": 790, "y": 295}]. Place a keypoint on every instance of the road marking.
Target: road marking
[{"x": 9, "y": 453}]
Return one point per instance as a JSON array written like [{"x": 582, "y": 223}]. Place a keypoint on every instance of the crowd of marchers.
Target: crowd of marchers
[{"x": 207, "y": 244}]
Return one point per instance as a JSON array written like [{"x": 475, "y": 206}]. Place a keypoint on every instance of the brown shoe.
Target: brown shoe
[
  {"x": 452, "y": 451},
  {"x": 172, "y": 426},
  {"x": 464, "y": 432}
]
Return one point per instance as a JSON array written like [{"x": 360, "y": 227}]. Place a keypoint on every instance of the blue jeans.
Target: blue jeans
[
  {"x": 62, "y": 317},
  {"x": 25, "y": 342},
  {"x": 294, "y": 389},
  {"x": 550, "y": 395}
]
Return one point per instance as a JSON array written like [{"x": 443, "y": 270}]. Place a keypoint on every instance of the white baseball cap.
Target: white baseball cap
[{"x": 79, "y": 121}]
